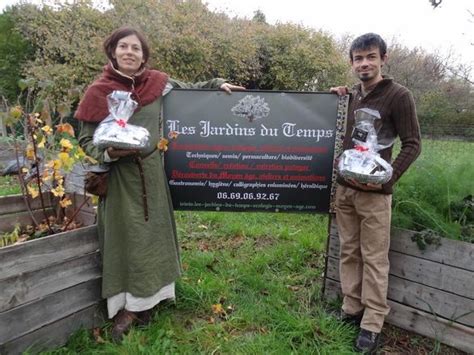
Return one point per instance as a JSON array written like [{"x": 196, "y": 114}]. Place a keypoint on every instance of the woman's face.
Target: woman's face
[{"x": 129, "y": 55}]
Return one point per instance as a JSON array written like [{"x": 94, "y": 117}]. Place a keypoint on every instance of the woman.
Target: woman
[{"x": 136, "y": 224}]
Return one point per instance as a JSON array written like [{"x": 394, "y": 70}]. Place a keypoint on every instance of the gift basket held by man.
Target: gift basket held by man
[
  {"x": 120, "y": 128},
  {"x": 363, "y": 164}
]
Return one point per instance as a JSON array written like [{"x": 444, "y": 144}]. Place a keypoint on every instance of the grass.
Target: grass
[
  {"x": 436, "y": 192},
  {"x": 9, "y": 185},
  {"x": 251, "y": 284}
]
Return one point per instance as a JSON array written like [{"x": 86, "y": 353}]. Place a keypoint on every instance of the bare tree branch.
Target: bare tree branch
[{"x": 435, "y": 3}]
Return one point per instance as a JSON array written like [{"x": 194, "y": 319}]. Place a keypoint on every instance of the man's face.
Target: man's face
[{"x": 367, "y": 64}]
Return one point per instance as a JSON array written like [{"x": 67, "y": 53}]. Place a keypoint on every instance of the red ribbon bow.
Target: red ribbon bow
[
  {"x": 361, "y": 148},
  {"x": 121, "y": 122}
]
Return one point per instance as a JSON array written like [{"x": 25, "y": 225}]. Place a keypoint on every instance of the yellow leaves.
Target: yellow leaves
[
  {"x": 47, "y": 129},
  {"x": 13, "y": 115},
  {"x": 217, "y": 309},
  {"x": 163, "y": 144},
  {"x": 173, "y": 135},
  {"x": 15, "y": 112},
  {"x": 65, "y": 128},
  {"x": 79, "y": 154},
  {"x": 220, "y": 312},
  {"x": 32, "y": 191},
  {"x": 65, "y": 144},
  {"x": 41, "y": 142},
  {"x": 58, "y": 191},
  {"x": 64, "y": 202},
  {"x": 30, "y": 152},
  {"x": 94, "y": 200},
  {"x": 66, "y": 160},
  {"x": 54, "y": 164},
  {"x": 90, "y": 160},
  {"x": 46, "y": 176}
]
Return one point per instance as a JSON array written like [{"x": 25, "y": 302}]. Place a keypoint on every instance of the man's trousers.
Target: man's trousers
[{"x": 363, "y": 221}]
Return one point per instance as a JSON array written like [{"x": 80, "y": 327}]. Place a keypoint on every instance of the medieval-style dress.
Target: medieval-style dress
[{"x": 138, "y": 240}]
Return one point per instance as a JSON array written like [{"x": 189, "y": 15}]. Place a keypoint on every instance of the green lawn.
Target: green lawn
[
  {"x": 9, "y": 185},
  {"x": 265, "y": 271}
]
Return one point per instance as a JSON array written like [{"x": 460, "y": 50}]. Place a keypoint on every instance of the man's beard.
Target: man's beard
[{"x": 365, "y": 77}]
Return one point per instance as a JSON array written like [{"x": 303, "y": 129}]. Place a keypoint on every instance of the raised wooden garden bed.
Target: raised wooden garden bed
[
  {"x": 431, "y": 292},
  {"x": 50, "y": 286}
]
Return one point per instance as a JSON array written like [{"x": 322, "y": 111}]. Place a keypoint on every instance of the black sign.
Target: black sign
[{"x": 251, "y": 150}]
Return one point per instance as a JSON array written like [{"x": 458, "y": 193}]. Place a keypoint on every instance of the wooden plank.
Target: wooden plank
[
  {"x": 16, "y": 203},
  {"x": 39, "y": 253},
  {"x": 333, "y": 269},
  {"x": 77, "y": 201},
  {"x": 430, "y": 300},
  {"x": 9, "y": 221},
  {"x": 429, "y": 273},
  {"x": 334, "y": 247},
  {"x": 43, "y": 339},
  {"x": 39, "y": 313},
  {"x": 425, "y": 272},
  {"x": 419, "y": 296},
  {"x": 86, "y": 218},
  {"x": 451, "y": 252},
  {"x": 332, "y": 289},
  {"x": 333, "y": 228},
  {"x": 455, "y": 335},
  {"x": 26, "y": 287}
]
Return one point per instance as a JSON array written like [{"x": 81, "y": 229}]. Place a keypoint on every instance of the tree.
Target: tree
[
  {"x": 443, "y": 93},
  {"x": 187, "y": 40},
  {"x": 435, "y": 3},
  {"x": 259, "y": 16},
  {"x": 14, "y": 51}
]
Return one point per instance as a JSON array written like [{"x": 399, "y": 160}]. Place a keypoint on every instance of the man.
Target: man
[{"x": 363, "y": 211}]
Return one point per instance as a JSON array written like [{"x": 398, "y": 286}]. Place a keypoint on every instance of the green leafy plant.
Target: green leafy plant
[{"x": 426, "y": 237}]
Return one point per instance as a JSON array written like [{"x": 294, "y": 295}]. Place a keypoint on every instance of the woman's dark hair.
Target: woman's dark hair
[
  {"x": 110, "y": 43},
  {"x": 366, "y": 42}
]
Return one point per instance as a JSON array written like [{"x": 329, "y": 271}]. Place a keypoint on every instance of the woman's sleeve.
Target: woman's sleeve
[
  {"x": 85, "y": 141},
  {"x": 211, "y": 84}
]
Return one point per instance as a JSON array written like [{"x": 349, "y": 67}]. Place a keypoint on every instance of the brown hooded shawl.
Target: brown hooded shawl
[{"x": 145, "y": 87}]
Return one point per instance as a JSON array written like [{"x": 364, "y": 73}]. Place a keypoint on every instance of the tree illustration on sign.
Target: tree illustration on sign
[{"x": 252, "y": 108}]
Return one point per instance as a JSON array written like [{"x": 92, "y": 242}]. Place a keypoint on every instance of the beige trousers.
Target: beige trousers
[{"x": 363, "y": 221}]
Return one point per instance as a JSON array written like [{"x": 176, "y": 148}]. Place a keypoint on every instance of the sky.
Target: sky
[{"x": 413, "y": 23}]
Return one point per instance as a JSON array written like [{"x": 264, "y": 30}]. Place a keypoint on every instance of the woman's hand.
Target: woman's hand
[
  {"x": 229, "y": 87},
  {"x": 115, "y": 153}
]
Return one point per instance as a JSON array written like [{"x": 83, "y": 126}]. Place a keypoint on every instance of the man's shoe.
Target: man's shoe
[
  {"x": 351, "y": 319},
  {"x": 123, "y": 321},
  {"x": 367, "y": 342}
]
